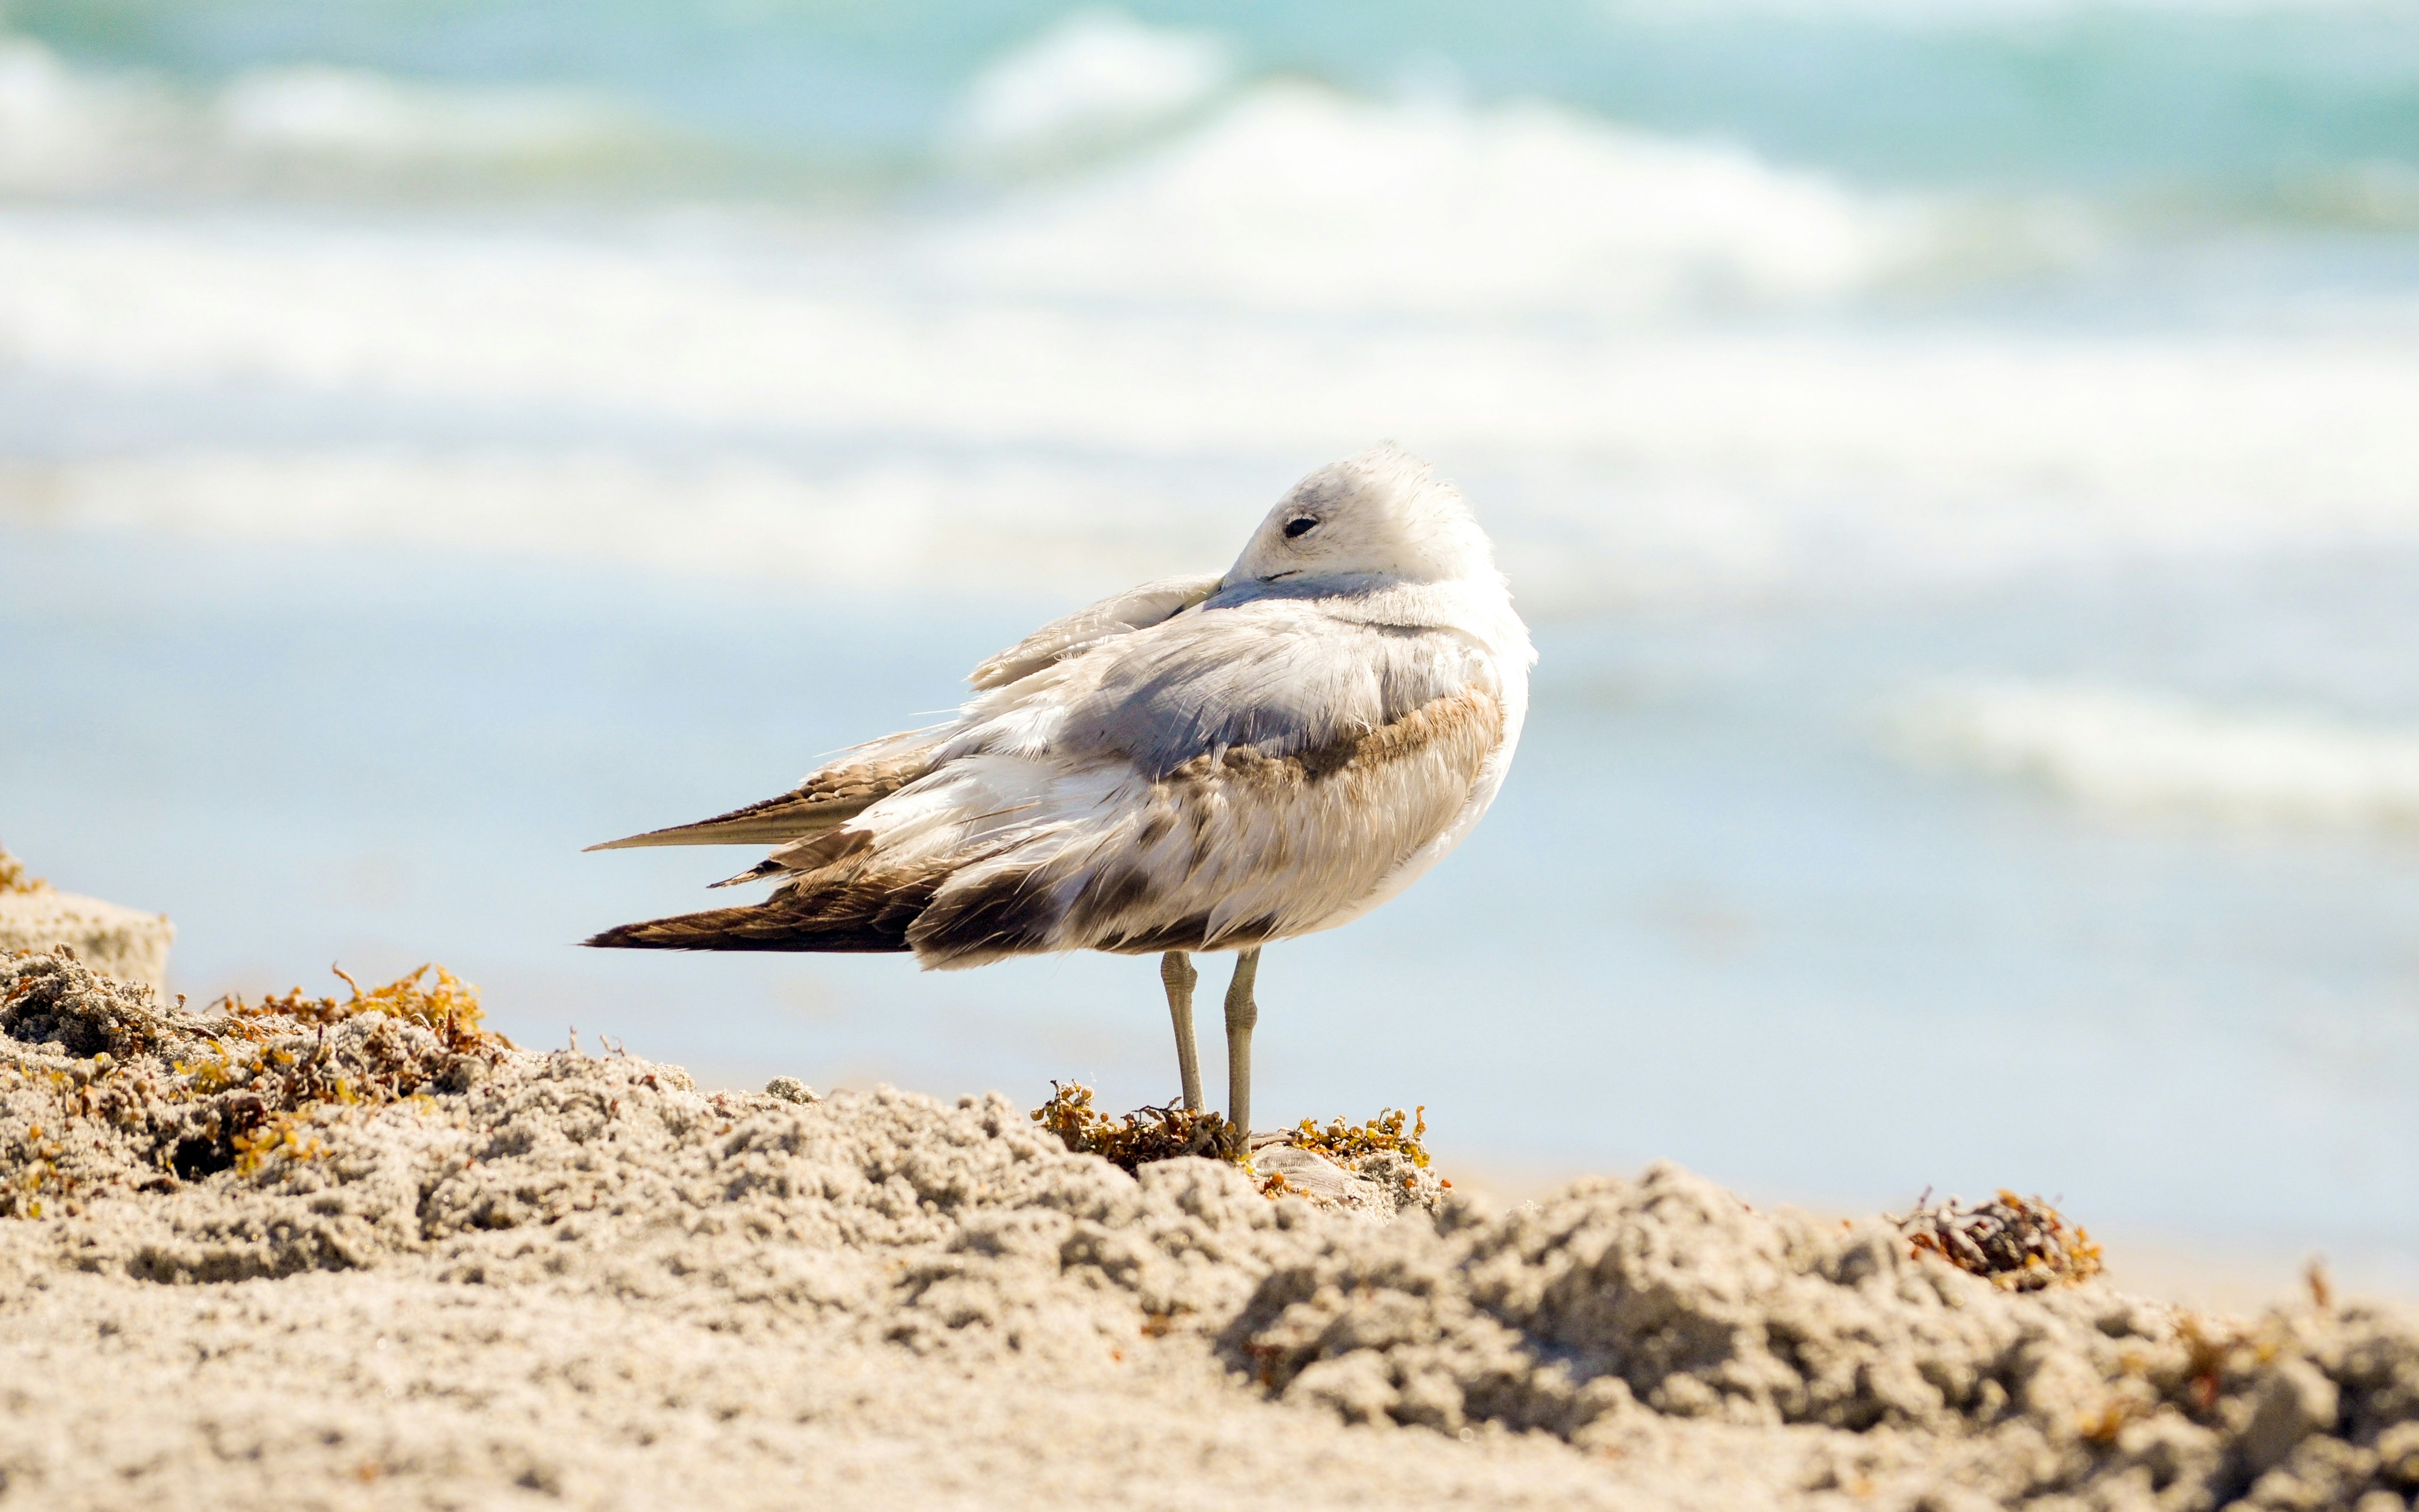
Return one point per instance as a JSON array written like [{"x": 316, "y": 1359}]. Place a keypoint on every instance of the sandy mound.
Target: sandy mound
[
  {"x": 491, "y": 1278},
  {"x": 35, "y": 916}
]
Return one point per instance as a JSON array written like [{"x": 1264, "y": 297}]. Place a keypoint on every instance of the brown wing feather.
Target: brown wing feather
[{"x": 831, "y": 797}]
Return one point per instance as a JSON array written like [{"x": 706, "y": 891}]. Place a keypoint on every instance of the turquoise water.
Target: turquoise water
[
  {"x": 2235, "y": 105},
  {"x": 1957, "y": 460}
]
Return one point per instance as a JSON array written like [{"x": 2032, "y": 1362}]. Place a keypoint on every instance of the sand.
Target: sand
[
  {"x": 123, "y": 942},
  {"x": 534, "y": 1279}
]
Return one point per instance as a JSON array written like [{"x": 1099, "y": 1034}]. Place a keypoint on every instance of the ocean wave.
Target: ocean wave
[
  {"x": 1628, "y": 464},
  {"x": 1144, "y": 162},
  {"x": 60, "y": 129},
  {"x": 1010, "y": 527},
  {"x": 314, "y": 110},
  {"x": 1095, "y": 77},
  {"x": 1299, "y": 197},
  {"x": 1290, "y": 196},
  {"x": 2137, "y": 750},
  {"x": 80, "y": 131},
  {"x": 1006, "y": 520}
]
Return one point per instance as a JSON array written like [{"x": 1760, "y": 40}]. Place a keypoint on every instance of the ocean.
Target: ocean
[{"x": 1958, "y": 459}]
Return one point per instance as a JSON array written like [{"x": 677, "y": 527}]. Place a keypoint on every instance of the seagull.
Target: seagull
[{"x": 1199, "y": 764}]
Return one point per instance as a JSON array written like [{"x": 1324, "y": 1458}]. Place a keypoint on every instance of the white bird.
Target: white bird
[{"x": 1198, "y": 763}]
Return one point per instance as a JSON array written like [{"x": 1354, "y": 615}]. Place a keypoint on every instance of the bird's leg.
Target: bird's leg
[
  {"x": 1176, "y": 970},
  {"x": 1241, "y": 1014}
]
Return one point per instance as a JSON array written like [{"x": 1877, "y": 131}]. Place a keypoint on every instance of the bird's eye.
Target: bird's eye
[{"x": 1297, "y": 528}]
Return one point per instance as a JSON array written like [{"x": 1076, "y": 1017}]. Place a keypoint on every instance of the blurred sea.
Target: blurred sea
[{"x": 1961, "y": 457}]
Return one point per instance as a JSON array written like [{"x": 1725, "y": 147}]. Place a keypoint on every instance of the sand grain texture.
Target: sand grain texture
[
  {"x": 123, "y": 942},
  {"x": 543, "y": 1279}
]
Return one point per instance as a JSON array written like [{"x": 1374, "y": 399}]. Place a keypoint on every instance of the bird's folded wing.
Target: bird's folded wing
[
  {"x": 1286, "y": 677},
  {"x": 1133, "y": 610},
  {"x": 1226, "y": 850},
  {"x": 1228, "y": 778},
  {"x": 837, "y": 794}
]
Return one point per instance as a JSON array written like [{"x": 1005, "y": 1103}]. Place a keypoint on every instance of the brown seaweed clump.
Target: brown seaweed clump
[
  {"x": 1138, "y": 1139},
  {"x": 1155, "y": 1134},
  {"x": 2018, "y": 1243},
  {"x": 1345, "y": 1144},
  {"x": 102, "y": 1087},
  {"x": 449, "y": 1008},
  {"x": 1374, "y": 1165},
  {"x": 13, "y": 877}
]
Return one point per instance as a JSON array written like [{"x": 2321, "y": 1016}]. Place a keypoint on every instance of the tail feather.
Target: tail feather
[
  {"x": 754, "y": 874},
  {"x": 822, "y": 801},
  {"x": 747, "y": 929},
  {"x": 770, "y": 822},
  {"x": 863, "y": 912}
]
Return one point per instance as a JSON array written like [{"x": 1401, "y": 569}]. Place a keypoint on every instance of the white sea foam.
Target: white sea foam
[
  {"x": 1650, "y": 463},
  {"x": 2137, "y": 750},
  {"x": 1096, "y": 76},
  {"x": 64, "y": 129},
  {"x": 60, "y": 129},
  {"x": 1006, "y": 526},
  {"x": 319, "y": 110},
  {"x": 1298, "y": 198}
]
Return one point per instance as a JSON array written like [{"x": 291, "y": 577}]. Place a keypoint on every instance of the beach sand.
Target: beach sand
[
  {"x": 361, "y": 1255},
  {"x": 120, "y": 941}
]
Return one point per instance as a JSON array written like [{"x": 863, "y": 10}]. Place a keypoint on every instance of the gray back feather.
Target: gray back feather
[
  {"x": 1284, "y": 675},
  {"x": 1116, "y": 615}
]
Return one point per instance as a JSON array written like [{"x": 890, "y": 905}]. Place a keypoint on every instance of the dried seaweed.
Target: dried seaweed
[
  {"x": 450, "y": 1008},
  {"x": 1376, "y": 1152},
  {"x": 1138, "y": 1139},
  {"x": 2020, "y": 1244},
  {"x": 233, "y": 1088},
  {"x": 1345, "y": 1143}
]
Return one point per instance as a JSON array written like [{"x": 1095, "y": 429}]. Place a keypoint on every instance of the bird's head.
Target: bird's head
[{"x": 1382, "y": 511}]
